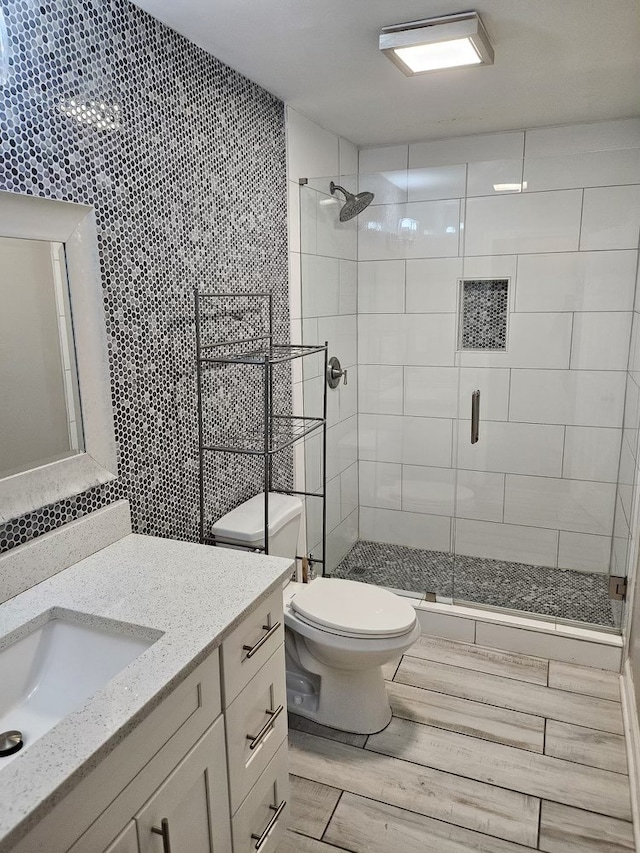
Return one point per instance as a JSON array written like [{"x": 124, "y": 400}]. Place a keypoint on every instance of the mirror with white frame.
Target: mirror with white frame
[{"x": 56, "y": 421}]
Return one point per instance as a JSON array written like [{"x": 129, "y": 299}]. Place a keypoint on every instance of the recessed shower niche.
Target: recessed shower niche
[{"x": 483, "y": 314}]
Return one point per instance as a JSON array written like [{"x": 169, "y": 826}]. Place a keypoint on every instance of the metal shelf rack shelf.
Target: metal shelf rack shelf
[{"x": 274, "y": 432}]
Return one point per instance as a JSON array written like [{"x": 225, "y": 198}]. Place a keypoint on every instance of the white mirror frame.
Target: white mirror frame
[{"x": 33, "y": 218}]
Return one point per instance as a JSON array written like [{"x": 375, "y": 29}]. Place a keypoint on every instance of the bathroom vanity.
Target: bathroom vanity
[{"x": 184, "y": 749}]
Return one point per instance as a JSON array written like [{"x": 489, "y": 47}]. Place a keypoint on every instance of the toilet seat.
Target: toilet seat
[{"x": 353, "y": 609}]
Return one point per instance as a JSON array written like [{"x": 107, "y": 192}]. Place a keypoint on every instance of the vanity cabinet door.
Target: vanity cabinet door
[
  {"x": 191, "y": 806},
  {"x": 126, "y": 842}
]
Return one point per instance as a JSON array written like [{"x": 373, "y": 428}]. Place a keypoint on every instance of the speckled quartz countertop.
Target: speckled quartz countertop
[{"x": 193, "y": 594}]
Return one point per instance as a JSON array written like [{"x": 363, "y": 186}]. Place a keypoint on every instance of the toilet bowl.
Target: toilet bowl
[{"x": 338, "y": 633}]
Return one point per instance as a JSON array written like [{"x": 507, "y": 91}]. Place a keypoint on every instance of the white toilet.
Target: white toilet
[{"x": 338, "y": 633}]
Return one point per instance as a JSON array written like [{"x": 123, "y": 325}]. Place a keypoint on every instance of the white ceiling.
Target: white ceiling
[{"x": 556, "y": 62}]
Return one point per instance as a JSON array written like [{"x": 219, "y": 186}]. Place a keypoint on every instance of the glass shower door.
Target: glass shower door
[{"x": 534, "y": 512}]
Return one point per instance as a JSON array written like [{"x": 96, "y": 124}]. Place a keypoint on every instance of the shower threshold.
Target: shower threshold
[{"x": 558, "y": 593}]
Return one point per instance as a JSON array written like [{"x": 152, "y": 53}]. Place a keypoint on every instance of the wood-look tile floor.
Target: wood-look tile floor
[{"x": 487, "y": 751}]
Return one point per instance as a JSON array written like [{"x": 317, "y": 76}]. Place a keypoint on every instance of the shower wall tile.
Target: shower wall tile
[
  {"x": 467, "y": 149},
  {"x": 575, "y": 505},
  {"x": 510, "y": 542},
  {"x": 381, "y": 287},
  {"x": 611, "y": 218},
  {"x": 313, "y": 390},
  {"x": 341, "y": 541},
  {"x": 445, "y": 392},
  {"x": 524, "y": 223},
  {"x": 601, "y": 341},
  {"x": 348, "y": 303},
  {"x": 348, "y": 154},
  {"x": 383, "y": 159},
  {"x": 380, "y": 390},
  {"x": 343, "y": 441},
  {"x": 414, "y": 530},
  {"x": 430, "y": 229},
  {"x": 380, "y": 485},
  {"x": 311, "y": 150},
  {"x": 591, "y": 453},
  {"x": 427, "y": 229},
  {"x": 576, "y": 281},
  {"x": 573, "y": 397},
  {"x": 493, "y": 177},
  {"x": 341, "y": 333},
  {"x": 406, "y": 339},
  {"x": 348, "y": 394},
  {"x": 431, "y": 392},
  {"x": 590, "y": 169},
  {"x": 378, "y": 233},
  {"x": 578, "y": 138},
  {"x": 512, "y": 448},
  {"x": 414, "y": 441},
  {"x": 430, "y": 339},
  {"x": 334, "y": 238},
  {"x": 428, "y": 490},
  {"x": 584, "y": 552},
  {"x": 480, "y": 495},
  {"x": 432, "y": 285},
  {"x": 349, "y": 490},
  {"x": 387, "y": 187},
  {"x": 533, "y": 341},
  {"x": 437, "y": 182},
  {"x": 494, "y": 382},
  {"x": 320, "y": 286}
]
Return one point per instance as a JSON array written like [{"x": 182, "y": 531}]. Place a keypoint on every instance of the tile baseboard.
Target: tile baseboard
[
  {"x": 632, "y": 739},
  {"x": 582, "y": 646}
]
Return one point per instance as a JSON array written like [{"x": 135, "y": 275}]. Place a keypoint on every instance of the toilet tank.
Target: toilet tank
[{"x": 244, "y": 525}]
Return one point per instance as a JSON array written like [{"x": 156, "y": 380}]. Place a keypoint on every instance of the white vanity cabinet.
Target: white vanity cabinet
[
  {"x": 189, "y": 811},
  {"x": 204, "y": 772}
]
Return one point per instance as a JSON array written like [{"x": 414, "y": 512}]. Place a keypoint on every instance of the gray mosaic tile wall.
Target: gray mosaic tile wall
[
  {"x": 483, "y": 320},
  {"x": 189, "y": 190}
]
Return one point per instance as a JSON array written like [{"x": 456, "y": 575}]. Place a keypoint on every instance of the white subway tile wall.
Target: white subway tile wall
[
  {"x": 556, "y": 211},
  {"x": 324, "y": 293}
]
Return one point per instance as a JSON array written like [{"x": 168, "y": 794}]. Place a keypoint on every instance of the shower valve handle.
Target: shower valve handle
[{"x": 335, "y": 373}]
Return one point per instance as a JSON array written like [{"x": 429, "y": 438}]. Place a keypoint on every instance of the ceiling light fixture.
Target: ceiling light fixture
[{"x": 450, "y": 41}]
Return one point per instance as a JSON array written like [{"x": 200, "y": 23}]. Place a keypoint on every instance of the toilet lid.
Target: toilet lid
[{"x": 354, "y": 608}]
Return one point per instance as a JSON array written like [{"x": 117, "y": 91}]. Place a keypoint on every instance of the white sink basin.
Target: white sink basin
[{"x": 51, "y": 671}]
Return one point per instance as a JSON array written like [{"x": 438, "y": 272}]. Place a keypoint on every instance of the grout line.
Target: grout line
[
  {"x": 333, "y": 811},
  {"x": 420, "y": 814},
  {"x": 495, "y": 784},
  {"x": 539, "y": 823},
  {"x": 517, "y": 710},
  {"x": 480, "y": 672}
]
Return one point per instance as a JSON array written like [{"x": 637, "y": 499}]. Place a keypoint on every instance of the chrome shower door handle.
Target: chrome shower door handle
[{"x": 475, "y": 417}]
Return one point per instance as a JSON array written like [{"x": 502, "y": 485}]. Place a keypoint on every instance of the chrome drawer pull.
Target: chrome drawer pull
[
  {"x": 273, "y": 716},
  {"x": 164, "y": 832},
  {"x": 251, "y": 650},
  {"x": 260, "y": 839}
]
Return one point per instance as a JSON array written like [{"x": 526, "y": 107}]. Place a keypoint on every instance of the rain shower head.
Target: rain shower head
[{"x": 354, "y": 204}]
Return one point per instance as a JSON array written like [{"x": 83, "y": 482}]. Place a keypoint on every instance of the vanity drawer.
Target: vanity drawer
[
  {"x": 256, "y": 726},
  {"x": 251, "y": 645},
  {"x": 265, "y": 812}
]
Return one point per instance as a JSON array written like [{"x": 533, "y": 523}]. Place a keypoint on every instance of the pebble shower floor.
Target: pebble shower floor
[{"x": 561, "y": 593}]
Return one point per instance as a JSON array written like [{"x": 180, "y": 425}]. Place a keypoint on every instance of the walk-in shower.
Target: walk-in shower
[{"x": 445, "y": 285}]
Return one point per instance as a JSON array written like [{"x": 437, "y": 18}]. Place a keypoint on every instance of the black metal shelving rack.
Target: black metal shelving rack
[{"x": 277, "y": 431}]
